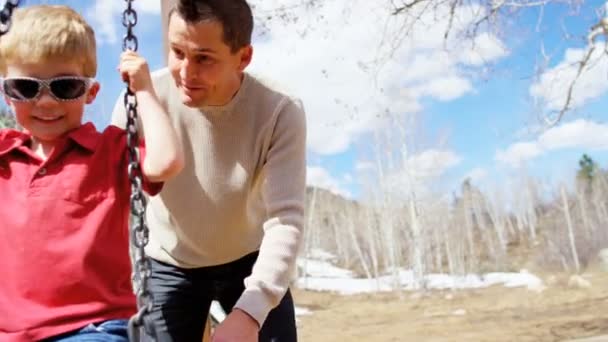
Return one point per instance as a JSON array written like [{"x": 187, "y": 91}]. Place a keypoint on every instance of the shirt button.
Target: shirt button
[{"x": 42, "y": 171}]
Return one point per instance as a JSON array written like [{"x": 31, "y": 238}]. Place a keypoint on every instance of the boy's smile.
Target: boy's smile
[{"x": 48, "y": 119}]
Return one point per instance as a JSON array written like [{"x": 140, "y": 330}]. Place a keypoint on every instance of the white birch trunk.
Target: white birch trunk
[
  {"x": 587, "y": 226},
  {"x": 308, "y": 233},
  {"x": 372, "y": 239},
  {"x": 350, "y": 223},
  {"x": 498, "y": 225},
  {"x": 417, "y": 246},
  {"x": 570, "y": 230},
  {"x": 466, "y": 208}
]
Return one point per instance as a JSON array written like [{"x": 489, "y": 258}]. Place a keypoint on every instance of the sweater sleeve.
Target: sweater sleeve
[
  {"x": 160, "y": 80},
  {"x": 283, "y": 192}
]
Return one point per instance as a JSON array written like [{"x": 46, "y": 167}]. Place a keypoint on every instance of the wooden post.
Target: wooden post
[{"x": 207, "y": 334}]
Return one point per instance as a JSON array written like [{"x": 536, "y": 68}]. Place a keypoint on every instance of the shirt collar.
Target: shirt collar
[
  {"x": 12, "y": 140},
  {"x": 85, "y": 136}
]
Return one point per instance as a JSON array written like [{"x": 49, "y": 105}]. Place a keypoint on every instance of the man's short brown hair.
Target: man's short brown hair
[{"x": 234, "y": 15}]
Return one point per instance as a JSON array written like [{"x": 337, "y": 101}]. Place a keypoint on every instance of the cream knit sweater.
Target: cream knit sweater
[{"x": 242, "y": 188}]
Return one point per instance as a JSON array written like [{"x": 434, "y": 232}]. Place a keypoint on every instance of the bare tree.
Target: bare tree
[
  {"x": 492, "y": 16},
  {"x": 7, "y": 120},
  {"x": 569, "y": 226}
]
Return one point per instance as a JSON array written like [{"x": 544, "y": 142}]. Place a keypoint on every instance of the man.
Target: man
[{"x": 228, "y": 227}]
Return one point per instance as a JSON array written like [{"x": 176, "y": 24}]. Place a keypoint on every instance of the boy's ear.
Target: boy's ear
[{"x": 92, "y": 93}]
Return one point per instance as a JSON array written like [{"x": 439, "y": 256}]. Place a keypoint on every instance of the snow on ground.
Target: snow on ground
[
  {"x": 318, "y": 273},
  {"x": 407, "y": 281},
  {"x": 323, "y": 269},
  {"x": 301, "y": 311}
]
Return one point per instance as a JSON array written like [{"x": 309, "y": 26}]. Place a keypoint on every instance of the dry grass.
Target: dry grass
[{"x": 493, "y": 314}]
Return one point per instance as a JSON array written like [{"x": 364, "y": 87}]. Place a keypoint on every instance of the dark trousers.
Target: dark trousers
[{"x": 182, "y": 298}]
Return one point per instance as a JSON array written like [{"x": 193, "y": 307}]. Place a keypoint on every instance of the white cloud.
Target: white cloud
[
  {"x": 106, "y": 16},
  {"x": 362, "y": 166},
  {"x": 431, "y": 163},
  {"x": 445, "y": 88},
  {"x": 148, "y": 6},
  {"x": 352, "y": 64},
  {"x": 518, "y": 153},
  {"x": 349, "y": 61},
  {"x": 486, "y": 48},
  {"x": 321, "y": 178},
  {"x": 477, "y": 175},
  {"x": 552, "y": 87},
  {"x": 417, "y": 172},
  {"x": 581, "y": 133}
]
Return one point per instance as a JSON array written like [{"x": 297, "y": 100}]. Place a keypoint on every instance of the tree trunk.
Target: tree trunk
[
  {"x": 353, "y": 236},
  {"x": 570, "y": 230},
  {"x": 471, "y": 258},
  {"x": 417, "y": 246},
  {"x": 308, "y": 234}
]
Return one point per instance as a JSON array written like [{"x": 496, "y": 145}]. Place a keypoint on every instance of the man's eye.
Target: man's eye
[
  {"x": 203, "y": 59},
  {"x": 178, "y": 53}
]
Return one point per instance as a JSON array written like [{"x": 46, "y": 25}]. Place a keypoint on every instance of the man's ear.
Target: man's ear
[
  {"x": 246, "y": 53},
  {"x": 92, "y": 93}
]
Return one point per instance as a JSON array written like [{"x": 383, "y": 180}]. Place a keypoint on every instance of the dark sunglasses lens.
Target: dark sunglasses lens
[
  {"x": 68, "y": 89},
  {"x": 21, "y": 89}
]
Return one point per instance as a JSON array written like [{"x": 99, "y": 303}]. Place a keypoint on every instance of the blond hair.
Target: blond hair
[{"x": 49, "y": 32}]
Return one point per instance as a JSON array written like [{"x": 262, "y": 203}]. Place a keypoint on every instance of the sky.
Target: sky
[{"x": 433, "y": 109}]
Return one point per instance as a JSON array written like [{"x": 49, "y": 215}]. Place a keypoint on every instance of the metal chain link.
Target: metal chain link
[
  {"x": 6, "y": 14},
  {"x": 138, "y": 228}
]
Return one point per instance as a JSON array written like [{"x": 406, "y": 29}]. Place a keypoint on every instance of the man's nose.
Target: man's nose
[{"x": 187, "y": 71}]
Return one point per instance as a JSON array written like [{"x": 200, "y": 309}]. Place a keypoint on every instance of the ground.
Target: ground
[{"x": 559, "y": 313}]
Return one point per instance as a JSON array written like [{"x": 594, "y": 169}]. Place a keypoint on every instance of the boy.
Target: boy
[{"x": 64, "y": 187}]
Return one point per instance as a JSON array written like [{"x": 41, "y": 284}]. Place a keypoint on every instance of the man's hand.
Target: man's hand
[{"x": 237, "y": 327}]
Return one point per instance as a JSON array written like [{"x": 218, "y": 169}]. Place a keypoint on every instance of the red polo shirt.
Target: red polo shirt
[{"x": 64, "y": 257}]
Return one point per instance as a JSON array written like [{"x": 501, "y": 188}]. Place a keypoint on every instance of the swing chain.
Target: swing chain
[
  {"x": 6, "y": 14},
  {"x": 139, "y": 230}
]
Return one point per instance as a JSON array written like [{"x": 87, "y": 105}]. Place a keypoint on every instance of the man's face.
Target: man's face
[{"x": 203, "y": 67}]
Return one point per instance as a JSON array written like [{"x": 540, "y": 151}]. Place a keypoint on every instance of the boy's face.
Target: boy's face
[
  {"x": 45, "y": 116},
  {"x": 204, "y": 68}
]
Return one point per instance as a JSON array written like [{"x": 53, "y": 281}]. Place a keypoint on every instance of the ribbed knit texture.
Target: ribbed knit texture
[{"x": 242, "y": 188}]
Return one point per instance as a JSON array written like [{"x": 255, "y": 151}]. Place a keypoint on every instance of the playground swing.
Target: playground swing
[{"x": 138, "y": 228}]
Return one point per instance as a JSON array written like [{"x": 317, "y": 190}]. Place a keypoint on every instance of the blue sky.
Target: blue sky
[{"x": 459, "y": 111}]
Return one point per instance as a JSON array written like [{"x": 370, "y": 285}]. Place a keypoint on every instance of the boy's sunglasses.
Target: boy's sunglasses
[{"x": 64, "y": 88}]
